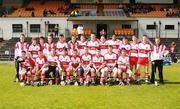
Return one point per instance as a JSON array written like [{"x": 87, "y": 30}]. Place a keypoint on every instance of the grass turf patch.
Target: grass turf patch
[{"x": 13, "y": 96}]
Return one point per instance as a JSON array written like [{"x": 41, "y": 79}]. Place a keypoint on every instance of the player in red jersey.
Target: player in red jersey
[
  {"x": 125, "y": 44},
  {"x": 111, "y": 62},
  {"x": 72, "y": 45},
  {"x": 75, "y": 65},
  {"x": 61, "y": 44},
  {"x": 84, "y": 70},
  {"x": 42, "y": 43},
  {"x": 103, "y": 45},
  {"x": 144, "y": 49},
  {"x": 19, "y": 47},
  {"x": 123, "y": 67},
  {"x": 65, "y": 61},
  {"x": 92, "y": 44},
  {"x": 34, "y": 48},
  {"x": 24, "y": 67},
  {"x": 41, "y": 66},
  {"x": 133, "y": 53},
  {"x": 49, "y": 46},
  {"x": 115, "y": 43},
  {"x": 81, "y": 44},
  {"x": 98, "y": 63},
  {"x": 53, "y": 67}
]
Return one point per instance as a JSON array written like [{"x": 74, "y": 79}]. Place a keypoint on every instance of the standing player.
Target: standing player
[
  {"x": 123, "y": 67},
  {"x": 65, "y": 61},
  {"x": 84, "y": 70},
  {"x": 49, "y": 46},
  {"x": 125, "y": 44},
  {"x": 92, "y": 44},
  {"x": 143, "y": 51},
  {"x": 133, "y": 53},
  {"x": 111, "y": 62},
  {"x": 42, "y": 43},
  {"x": 34, "y": 48},
  {"x": 115, "y": 43},
  {"x": 81, "y": 44},
  {"x": 19, "y": 47},
  {"x": 98, "y": 67},
  {"x": 61, "y": 44},
  {"x": 72, "y": 44},
  {"x": 103, "y": 45}
]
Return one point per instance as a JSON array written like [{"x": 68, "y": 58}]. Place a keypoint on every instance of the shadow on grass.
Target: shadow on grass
[{"x": 171, "y": 82}]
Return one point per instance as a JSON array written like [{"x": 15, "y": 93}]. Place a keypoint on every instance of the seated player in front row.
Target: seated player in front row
[
  {"x": 41, "y": 67},
  {"x": 123, "y": 67},
  {"x": 98, "y": 67},
  {"x": 65, "y": 61},
  {"x": 84, "y": 70},
  {"x": 53, "y": 66},
  {"x": 74, "y": 66},
  {"x": 111, "y": 63},
  {"x": 24, "y": 68}
]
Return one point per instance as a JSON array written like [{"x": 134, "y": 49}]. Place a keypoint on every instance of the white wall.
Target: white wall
[
  {"x": 164, "y": 21},
  {"x": 6, "y": 26}
]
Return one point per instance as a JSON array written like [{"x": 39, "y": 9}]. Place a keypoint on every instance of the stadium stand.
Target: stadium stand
[
  {"x": 152, "y": 11},
  {"x": 49, "y": 8}
]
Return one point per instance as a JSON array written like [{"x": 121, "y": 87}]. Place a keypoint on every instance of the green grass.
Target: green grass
[{"x": 167, "y": 96}]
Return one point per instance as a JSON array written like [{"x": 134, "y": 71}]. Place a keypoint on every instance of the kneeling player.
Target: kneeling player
[
  {"x": 123, "y": 67},
  {"x": 98, "y": 67},
  {"x": 53, "y": 67},
  {"x": 24, "y": 68}
]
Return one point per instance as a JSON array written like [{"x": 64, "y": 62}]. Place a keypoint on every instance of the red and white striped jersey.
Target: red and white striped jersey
[
  {"x": 64, "y": 61},
  {"x": 133, "y": 50},
  {"x": 24, "y": 64},
  {"x": 158, "y": 52},
  {"x": 20, "y": 47},
  {"x": 92, "y": 46},
  {"x": 60, "y": 46},
  {"x": 33, "y": 49},
  {"x": 40, "y": 61},
  {"x": 115, "y": 44},
  {"x": 72, "y": 46},
  {"x": 144, "y": 50},
  {"x": 48, "y": 48},
  {"x": 75, "y": 61},
  {"x": 86, "y": 59},
  {"x": 103, "y": 47},
  {"x": 126, "y": 46},
  {"x": 123, "y": 61},
  {"x": 110, "y": 59},
  {"x": 97, "y": 61},
  {"x": 81, "y": 46},
  {"x": 52, "y": 60},
  {"x": 42, "y": 46}
]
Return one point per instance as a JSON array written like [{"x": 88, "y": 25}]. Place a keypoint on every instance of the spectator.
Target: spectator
[
  {"x": 173, "y": 51},
  {"x": 56, "y": 30},
  {"x": 32, "y": 14},
  {"x": 19, "y": 13},
  {"x": 45, "y": 13}
]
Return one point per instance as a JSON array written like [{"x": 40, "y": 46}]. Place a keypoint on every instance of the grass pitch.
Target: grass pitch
[{"x": 167, "y": 96}]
